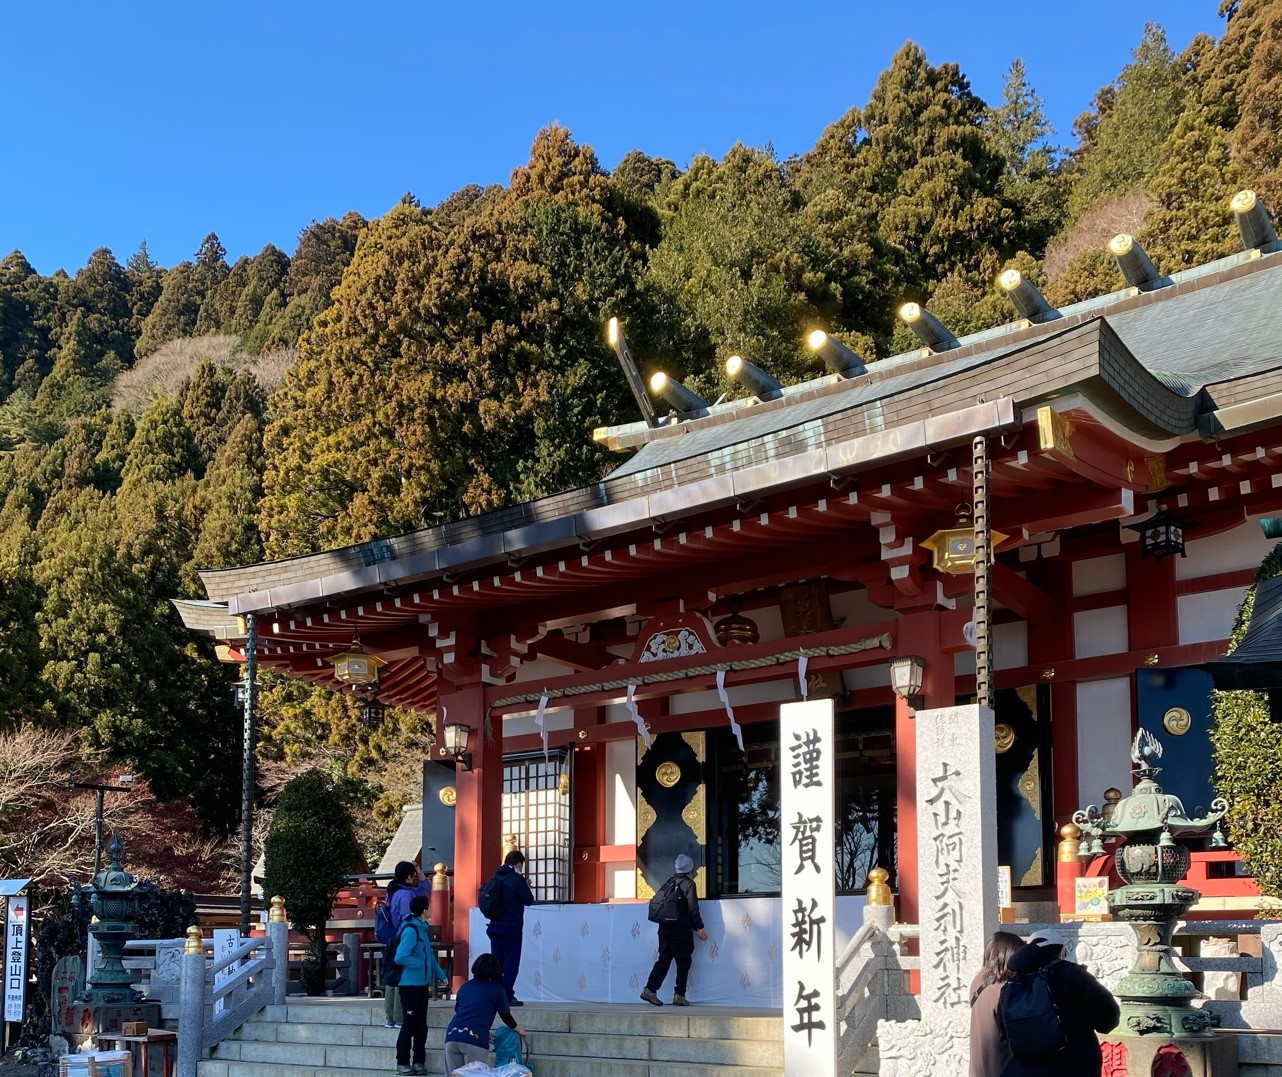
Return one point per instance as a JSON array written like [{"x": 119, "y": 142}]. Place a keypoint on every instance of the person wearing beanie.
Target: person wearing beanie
[{"x": 677, "y": 929}]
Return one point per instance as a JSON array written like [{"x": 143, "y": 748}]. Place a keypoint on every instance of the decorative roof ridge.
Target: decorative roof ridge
[{"x": 629, "y": 436}]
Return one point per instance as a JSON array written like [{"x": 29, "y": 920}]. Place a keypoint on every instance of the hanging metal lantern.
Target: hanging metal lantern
[
  {"x": 372, "y": 713},
  {"x": 954, "y": 547},
  {"x": 736, "y": 628},
  {"x": 1161, "y": 535},
  {"x": 355, "y": 667}
]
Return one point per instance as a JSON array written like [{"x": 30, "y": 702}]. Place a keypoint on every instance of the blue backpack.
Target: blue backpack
[
  {"x": 509, "y": 1046},
  {"x": 384, "y": 929}
]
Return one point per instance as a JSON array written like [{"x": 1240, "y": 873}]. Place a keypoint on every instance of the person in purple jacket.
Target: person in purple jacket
[{"x": 408, "y": 882}]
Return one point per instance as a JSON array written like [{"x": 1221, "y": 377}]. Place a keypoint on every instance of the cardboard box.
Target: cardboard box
[{"x": 133, "y": 1028}]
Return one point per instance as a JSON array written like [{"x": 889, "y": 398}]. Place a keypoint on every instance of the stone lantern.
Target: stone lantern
[
  {"x": 113, "y": 895},
  {"x": 1155, "y": 997}
]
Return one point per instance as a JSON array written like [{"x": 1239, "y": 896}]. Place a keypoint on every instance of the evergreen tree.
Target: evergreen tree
[
  {"x": 917, "y": 176},
  {"x": 146, "y": 280},
  {"x": 736, "y": 268},
  {"x": 456, "y": 371},
  {"x": 1257, "y": 137},
  {"x": 1031, "y": 182},
  {"x": 309, "y": 851},
  {"x": 227, "y": 498},
  {"x": 1190, "y": 223},
  {"x": 80, "y": 379},
  {"x": 100, "y": 294},
  {"x": 175, "y": 312},
  {"x": 1123, "y": 143},
  {"x": 28, "y": 322},
  {"x": 21, "y": 695}
]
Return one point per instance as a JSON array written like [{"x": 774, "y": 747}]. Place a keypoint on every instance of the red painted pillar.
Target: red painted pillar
[
  {"x": 919, "y": 634},
  {"x": 1049, "y": 642},
  {"x": 1152, "y": 621},
  {"x": 478, "y": 841},
  {"x": 587, "y": 790}
]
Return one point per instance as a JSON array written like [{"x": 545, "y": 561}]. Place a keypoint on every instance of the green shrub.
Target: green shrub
[
  {"x": 1247, "y": 750},
  {"x": 310, "y": 849}
]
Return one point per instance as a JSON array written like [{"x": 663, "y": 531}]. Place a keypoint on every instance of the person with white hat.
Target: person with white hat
[{"x": 678, "y": 918}]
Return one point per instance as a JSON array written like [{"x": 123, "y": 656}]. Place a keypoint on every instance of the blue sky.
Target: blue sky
[{"x": 165, "y": 121}]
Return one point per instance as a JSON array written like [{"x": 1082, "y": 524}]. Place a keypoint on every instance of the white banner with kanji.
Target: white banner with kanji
[
  {"x": 807, "y": 779},
  {"x": 16, "y": 937}
]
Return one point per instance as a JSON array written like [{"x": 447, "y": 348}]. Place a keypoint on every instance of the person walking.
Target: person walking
[
  {"x": 676, "y": 936},
  {"x": 467, "y": 1037},
  {"x": 407, "y": 881},
  {"x": 1082, "y": 1007},
  {"x": 419, "y": 970},
  {"x": 507, "y": 926},
  {"x": 988, "y": 1050}
]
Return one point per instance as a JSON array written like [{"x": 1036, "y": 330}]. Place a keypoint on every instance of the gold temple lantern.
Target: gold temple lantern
[
  {"x": 954, "y": 547},
  {"x": 356, "y": 668}
]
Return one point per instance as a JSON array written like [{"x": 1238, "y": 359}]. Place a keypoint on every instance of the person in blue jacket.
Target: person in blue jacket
[
  {"x": 467, "y": 1039},
  {"x": 506, "y": 929},
  {"x": 419, "y": 971}
]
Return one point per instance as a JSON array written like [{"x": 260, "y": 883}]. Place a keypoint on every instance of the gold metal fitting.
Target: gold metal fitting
[
  {"x": 1070, "y": 835},
  {"x": 194, "y": 944},
  {"x": 878, "y": 892},
  {"x": 1048, "y": 673},
  {"x": 1121, "y": 243},
  {"x": 277, "y": 913},
  {"x": 1242, "y": 202}
]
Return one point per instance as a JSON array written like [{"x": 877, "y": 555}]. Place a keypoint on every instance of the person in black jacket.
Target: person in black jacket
[
  {"x": 676, "y": 938},
  {"x": 1085, "y": 1007},
  {"x": 506, "y": 929}
]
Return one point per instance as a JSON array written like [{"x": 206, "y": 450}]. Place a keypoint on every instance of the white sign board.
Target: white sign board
[
  {"x": 16, "y": 937},
  {"x": 808, "y": 842},
  {"x": 225, "y": 940}
]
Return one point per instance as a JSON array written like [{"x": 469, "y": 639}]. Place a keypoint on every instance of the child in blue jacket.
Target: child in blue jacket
[{"x": 419, "y": 970}]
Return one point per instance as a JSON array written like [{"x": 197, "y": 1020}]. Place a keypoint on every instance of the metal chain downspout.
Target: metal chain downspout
[
  {"x": 247, "y": 773},
  {"x": 983, "y": 542}
]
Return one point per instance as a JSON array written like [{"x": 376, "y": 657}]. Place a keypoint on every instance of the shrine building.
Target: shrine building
[{"x": 604, "y": 666}]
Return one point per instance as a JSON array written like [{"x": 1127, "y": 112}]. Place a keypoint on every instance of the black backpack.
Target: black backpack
[
  {"x": 667, "y": 903},
  {"x": 1030, "y": 1018},
  {"x": 489, "y": 899},
  {"x": 391, "y": 970}
]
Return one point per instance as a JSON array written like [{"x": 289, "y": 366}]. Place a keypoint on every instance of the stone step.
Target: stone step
[
  {"x": 333, "y": 1039},
  {"x": 543, "y": 1065},
  {"x": 630, "y": 1019},
  {"x": 370, "y": 1047}
]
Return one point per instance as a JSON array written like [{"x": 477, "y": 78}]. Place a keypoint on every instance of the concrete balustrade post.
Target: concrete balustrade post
[
  {"x": 191, "y": 1004},
  {"x": 278, "y": 933}
]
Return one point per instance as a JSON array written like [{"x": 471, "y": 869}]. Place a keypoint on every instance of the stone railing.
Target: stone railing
[
  {"x": 212, "y": 1008},
  {"x": 872, "y": 986}
]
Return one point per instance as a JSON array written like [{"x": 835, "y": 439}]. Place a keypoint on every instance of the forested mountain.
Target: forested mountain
[{"x": 442, "y": 361}]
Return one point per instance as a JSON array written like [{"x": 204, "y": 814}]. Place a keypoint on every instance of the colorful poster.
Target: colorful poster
[
  {"x": 811, "y": 1025},
  {"x": 1091, "y": 896},
  {"x": 16, "y": 937}
]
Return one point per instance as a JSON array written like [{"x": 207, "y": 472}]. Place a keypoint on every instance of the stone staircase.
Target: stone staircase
[{"x": 336, "y": 1037}]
